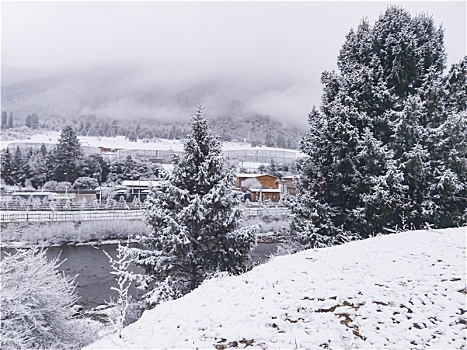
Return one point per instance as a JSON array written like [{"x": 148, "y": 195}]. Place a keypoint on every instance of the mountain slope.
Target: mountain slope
[
  {"x": 99, "y": 101},
  {"x": 129, "y": 91},
  {"x": 400, "y": 291}
]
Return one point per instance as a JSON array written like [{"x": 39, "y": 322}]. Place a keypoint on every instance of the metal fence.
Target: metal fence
[
  {"x": 51, "y": 216},
  {"x": 275, "y": 211},
  {"x": 92, "y": 215}
]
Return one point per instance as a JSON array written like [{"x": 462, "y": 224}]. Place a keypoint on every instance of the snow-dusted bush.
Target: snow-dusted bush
[
  {"x": 36, "y": 303},
  {"x": 50, "y": 186},
  {"x": 124, "y": 279},
  {"x": 64, "y": 185},
  {"x": 85, "y": 183},
  {"x": 57, "y": 186}
]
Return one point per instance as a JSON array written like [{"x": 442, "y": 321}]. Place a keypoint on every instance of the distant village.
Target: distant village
[{"x": 255, "y": 181}]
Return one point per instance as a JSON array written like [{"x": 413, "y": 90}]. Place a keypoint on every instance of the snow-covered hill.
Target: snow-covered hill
[{"x": 399, "y": 291}]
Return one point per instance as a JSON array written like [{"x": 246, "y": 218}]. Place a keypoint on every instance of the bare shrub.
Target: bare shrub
[{"x": 36, "y": 305}]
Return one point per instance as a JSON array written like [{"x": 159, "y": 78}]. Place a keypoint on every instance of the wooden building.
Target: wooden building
[
  {"x": 287, "y": 185},
  {"x": 265, "y": 195},
  {"x": 266, "y": 181}
]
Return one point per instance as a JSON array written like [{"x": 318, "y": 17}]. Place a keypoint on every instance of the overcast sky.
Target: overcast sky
[{"x": 264, "y": 41}]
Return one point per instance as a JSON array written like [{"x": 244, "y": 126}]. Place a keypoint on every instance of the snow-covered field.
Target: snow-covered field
[
  {"x": 400, "y": 291},
  {"x": 91, "y": 141},
  {"x": 122, "y": 143}
]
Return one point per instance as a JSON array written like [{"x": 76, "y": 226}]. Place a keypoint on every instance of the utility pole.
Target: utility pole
[
  {"x": 139, "y": 190},
  {"x": 43, "y": 179},
  {"x": 66, "y": 184}
]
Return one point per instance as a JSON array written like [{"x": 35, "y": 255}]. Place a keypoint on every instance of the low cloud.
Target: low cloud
[{"x": 134, "y": 90}]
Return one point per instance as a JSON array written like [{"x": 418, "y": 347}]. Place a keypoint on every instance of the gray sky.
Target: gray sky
[{"x": 288, "y": 43}]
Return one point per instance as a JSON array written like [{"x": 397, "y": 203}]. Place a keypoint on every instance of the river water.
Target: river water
[{"x": 92, "y": 267}]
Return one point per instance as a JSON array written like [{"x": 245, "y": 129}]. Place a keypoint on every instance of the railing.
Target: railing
[
  {"x": 50, "y": 216},
  {"x": 25, "y": 206},
  {"x": 266, "y": 210},
  {"x": 64, "y": 214}
]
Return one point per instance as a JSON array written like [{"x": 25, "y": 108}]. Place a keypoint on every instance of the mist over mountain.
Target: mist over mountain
[{"x": 127, "y": 91}]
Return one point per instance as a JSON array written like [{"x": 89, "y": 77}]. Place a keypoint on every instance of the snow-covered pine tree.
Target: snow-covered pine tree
[
  {"x": 43, "y": 150},
  {"x": 456, "y": 86},
  {"x": 382, "y": 150},
  {"x": 129, "y": 169},
  {"x": 314, "y": 211},
  {"x": 10, "y": 120},
  {"x": 63, "y": 160},
  {"x": 424, "y": 137},
  {"x": 448, "y": 189},
  {"x": 17, "y": 165},
  {"x": 7, "y": 163},
  {"x": 4, "y": 121},
  {"x": 195, "y": 220}
]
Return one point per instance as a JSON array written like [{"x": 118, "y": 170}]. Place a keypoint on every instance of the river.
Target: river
[{"x": 92, "y": 267}]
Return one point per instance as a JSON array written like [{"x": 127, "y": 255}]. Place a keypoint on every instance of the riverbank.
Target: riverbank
[
  {"x": 52, "y": 234},
  {"x": 102, "y": 232},
  {"x": 80, "y": 246}
]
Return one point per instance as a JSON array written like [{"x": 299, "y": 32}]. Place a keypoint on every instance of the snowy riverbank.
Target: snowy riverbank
[
  {"x": 50, "y": 234},
  {"x": 405, "y": 290},
  {"x": 53, "y": 234}
]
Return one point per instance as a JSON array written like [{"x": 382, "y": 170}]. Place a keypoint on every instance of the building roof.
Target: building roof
[
  {"x": 140, "y": 183},
  {"x": 252, "y": 175},
  {"x": 265, "y": 190},
  {"x": 248, "y": 175}
]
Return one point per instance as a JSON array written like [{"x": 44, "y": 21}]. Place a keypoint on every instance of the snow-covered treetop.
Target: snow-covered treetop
[{"x": 202, "y": 164}]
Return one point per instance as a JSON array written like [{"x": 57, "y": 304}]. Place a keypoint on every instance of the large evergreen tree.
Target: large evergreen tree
[
  {"x": 449, "y": 185},
  {"x": 10, "y": 121},
  {"x": 32, "y": 121},
  {"x": 17, "y": 166},
  {"x": 4, "y": 120},
  {"x": 194, "y": 219},
  {"x": 63, "y": 161},
  {"x": 386, "y": 150},
  {"x": 37, "y": 167},
  {"x": 7, "y": 167}
]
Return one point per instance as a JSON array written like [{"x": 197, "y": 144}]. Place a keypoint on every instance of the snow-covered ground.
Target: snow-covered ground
[
  {"x": 121, "y": 143},
  {"x": 92, "y": 141},
  {"x": 400, "y": 291}
]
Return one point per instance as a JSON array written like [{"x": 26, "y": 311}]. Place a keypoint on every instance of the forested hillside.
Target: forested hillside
[
  {"x": 255, "y": 129},
  {"x": 139, "y": 104}
]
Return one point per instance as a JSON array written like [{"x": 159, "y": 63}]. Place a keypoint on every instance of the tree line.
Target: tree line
[
  {"x": 67, "y": 163},
  {"x": 256, "y": 129},
  {"x": 6, "y": 120},
  {"x": 259, "y": 130}
]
